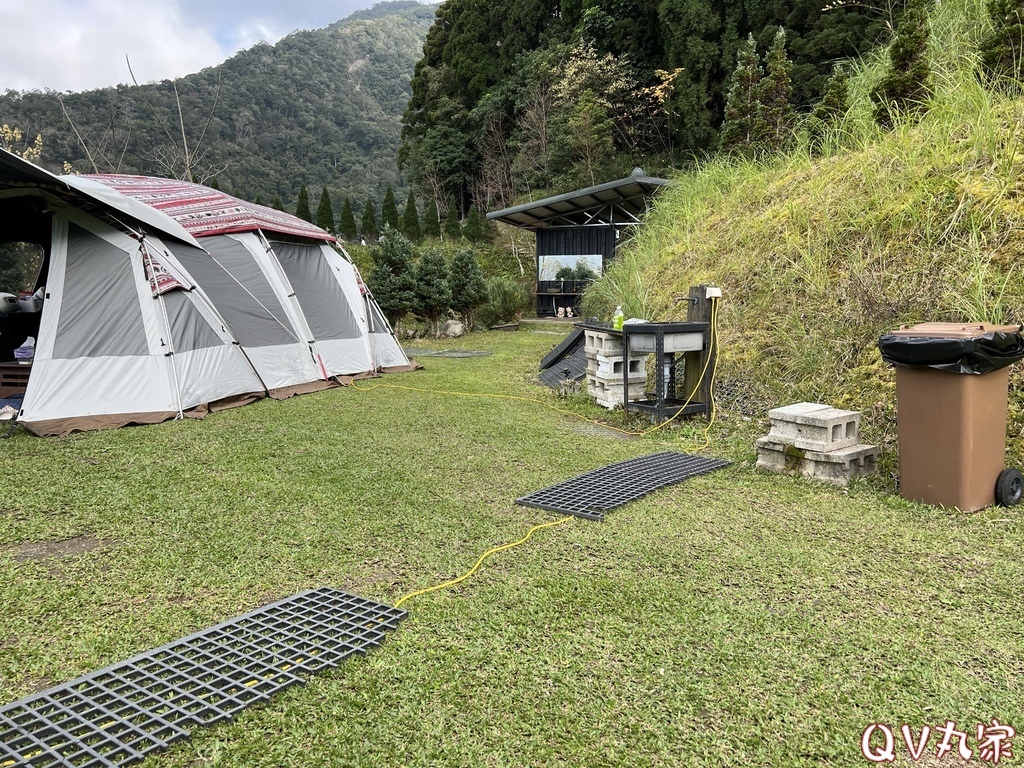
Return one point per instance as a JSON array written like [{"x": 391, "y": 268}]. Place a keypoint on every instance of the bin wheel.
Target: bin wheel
[{"x": 1009, "y": 487}]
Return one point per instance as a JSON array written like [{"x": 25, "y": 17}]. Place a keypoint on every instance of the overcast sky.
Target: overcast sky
[{"x": 74, "y": 45}]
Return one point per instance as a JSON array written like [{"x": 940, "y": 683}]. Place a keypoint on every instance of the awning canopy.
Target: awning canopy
[
  {"x": 104, "y": 202},
  {"x": 614, "y": 203},
  {"x": 206, "y": 211}
]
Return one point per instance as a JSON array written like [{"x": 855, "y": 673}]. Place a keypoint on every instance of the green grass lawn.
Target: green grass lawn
[{"x": 739, "y": 618}]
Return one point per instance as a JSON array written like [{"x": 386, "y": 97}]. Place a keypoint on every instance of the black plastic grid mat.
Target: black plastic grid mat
[
  {"x": 116, "y": 715},
  {"x": 594, "y": 493},
  {"x": 575, "y": 362}
]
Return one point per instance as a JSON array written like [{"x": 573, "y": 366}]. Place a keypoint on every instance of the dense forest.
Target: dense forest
[
  {"x": 510, "y": 98},
  {"x": 319, "y": 108}
]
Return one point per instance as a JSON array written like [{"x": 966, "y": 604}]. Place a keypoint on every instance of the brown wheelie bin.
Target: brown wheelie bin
[{"x": 951, "y": 391}]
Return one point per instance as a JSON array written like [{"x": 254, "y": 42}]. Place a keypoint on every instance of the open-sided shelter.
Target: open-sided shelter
[
  {"x": 141, "y": 322},
  {"x": 579, "y": 229}
]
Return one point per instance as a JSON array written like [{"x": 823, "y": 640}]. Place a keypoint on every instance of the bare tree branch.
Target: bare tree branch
[{"x": 78, "y": 135}]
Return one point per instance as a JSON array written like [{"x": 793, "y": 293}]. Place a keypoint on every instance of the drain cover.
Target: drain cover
[
  {"x": 593, "y": 494},
  {"x": 117, "y": 715}
]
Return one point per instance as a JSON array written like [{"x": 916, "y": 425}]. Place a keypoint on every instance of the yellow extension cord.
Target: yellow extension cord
[
  {"x": 483, "y": 557},
  {"x": 494, "y": 550}
]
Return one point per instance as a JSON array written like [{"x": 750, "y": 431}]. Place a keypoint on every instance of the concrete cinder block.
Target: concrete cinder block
[
  {"x": 815, "y": 427},
  {"x": 608, "y": 392},
  {"x": 837, "y": 467},
  {"x": 611, "y": 367},
  {"x": 600, "y": 343}
]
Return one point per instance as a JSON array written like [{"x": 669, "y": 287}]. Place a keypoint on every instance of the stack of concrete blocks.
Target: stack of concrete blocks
[
  {"x": 604, "y": 370},
  {"x": 816, "y": 441}
]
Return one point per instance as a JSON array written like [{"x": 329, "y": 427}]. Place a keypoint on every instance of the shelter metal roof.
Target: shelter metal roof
[
  {"x": 616, "y": 203},
  {"x": 204, "y": 211}
]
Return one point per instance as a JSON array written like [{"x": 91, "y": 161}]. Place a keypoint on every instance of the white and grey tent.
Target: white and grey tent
[{"x": 142, "y": 322}]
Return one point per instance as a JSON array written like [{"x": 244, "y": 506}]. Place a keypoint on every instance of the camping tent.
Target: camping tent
[
  {"x": 142, "y": 323},
  {"x": 320, "y": 296}
]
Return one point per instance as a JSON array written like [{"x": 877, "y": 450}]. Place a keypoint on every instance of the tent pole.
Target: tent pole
[{"x": 148, "y": 263}]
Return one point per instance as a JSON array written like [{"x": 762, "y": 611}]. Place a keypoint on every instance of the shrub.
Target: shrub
[{"x": 508, "y": 300}]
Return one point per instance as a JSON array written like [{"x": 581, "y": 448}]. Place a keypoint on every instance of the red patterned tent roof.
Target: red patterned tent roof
[{"x": 203, "y": 211}]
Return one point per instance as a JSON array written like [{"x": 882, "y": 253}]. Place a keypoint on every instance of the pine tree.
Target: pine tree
[
  {"x": 431, "y": 222},
  {"x": 277, "y": 205},
  {"x": 411, "y": 220},
  {"x": 391, "y": 278},
  {"x": 389, "y": 211},
  {"x": 368, "y": 224},
  {"x": 347, "y": 221},
  {"x": 775, "y": 92},
  {"x": 906, "y": 87},
  {"x": 302, "y": 207},
  {"x": 743, "y": 128},
  {"x": 1003, "y": 48},
  {"x": 324, "y": 212},
  {"x": 469, "y": 289},
  {"x": 213, "y": 183},
  {"x": 452, "y": 225},
  {"x": 258, "y": 200},
  {"x": 830, "y": 110},
  {"x": 433, "y": 296},
  {"x": 476, "y": 226}
]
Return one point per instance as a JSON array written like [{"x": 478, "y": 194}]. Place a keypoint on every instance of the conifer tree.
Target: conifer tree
[
  {"x": 277, "y": 205},
  {"x": 906, "y": 86},
  {"x": 433, "y": 296},
  {"x": 1001, "y": 50},
  {"x": 452, "y": 225},
  {"x": 391, "y": 278},
  {"x": 411, "y": 219},
  {"x": 743, "y": 127},
  {"x": 775, "y": 93},
  {"x": 476, "y": 226},
  {"x": 368, "y": 224},
  {"x": 213, "y": 183},
  {"x": 431, "y": 222},
  {"x": 469, "y": 289},
  {"x": 347, "y": 221},
  {"x": 325, "y": 212},
  {"x": 389, "y": 211},
  {"x": 258, "y": 200},
  {"x": 830, "y": 110},
  {"x": 302, "y": 207}
]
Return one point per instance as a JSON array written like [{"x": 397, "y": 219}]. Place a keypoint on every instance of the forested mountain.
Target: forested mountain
[
  {"x": 320, "y": 107},
  {"x": 529, "y": 95}
]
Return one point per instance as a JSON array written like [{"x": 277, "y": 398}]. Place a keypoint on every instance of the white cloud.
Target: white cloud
[
  {"x": 251, "y": 31},
  {"x": 81, "y": 44},
  {"x": 74, "y": 45}
]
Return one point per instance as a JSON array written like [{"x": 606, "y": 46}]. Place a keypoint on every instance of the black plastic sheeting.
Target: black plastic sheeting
[
  {"x": 592, "y": 494},
  {"x": 117, "y": 715},
  {"x": 978, "y": 355}
]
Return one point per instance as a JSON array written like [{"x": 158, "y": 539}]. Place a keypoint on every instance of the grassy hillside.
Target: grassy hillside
[{"x": 818, "y": 255}]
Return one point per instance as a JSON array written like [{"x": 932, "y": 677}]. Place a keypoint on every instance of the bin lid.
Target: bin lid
[
  {"x": 973, "y": 348},
  {"x": 953, "y": 330}
]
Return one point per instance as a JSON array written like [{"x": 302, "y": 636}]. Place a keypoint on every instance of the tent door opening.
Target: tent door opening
[{"x": 24, "y": 259}]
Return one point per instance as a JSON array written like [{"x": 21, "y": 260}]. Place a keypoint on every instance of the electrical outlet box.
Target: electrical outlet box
[{"x": 713, "y": 293}]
